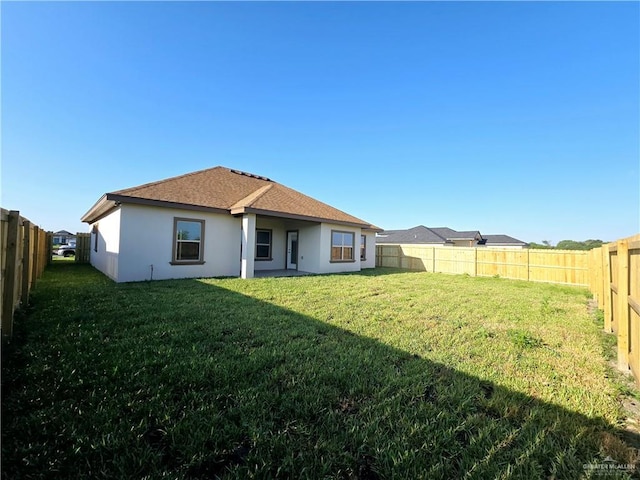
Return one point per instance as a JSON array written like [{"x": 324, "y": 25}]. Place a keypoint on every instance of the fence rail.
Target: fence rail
[
  {"x": 26, "y": 251},
  {"x": 614, "y": 280},
  {"x": 568, "y": 267}
]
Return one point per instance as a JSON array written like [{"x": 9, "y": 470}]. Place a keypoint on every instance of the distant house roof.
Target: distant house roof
[
  {"x": 419, "y": 234},
  {"x": 442, "y": 236},
  {"x": 224, "y": 190},
  {"x": 450, "y": 234},
  {"x": 63, "y": 232},
  {"x": 502, "y": 240}
]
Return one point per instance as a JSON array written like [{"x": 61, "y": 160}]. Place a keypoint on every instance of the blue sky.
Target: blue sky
[{"x": 515, "y": 118}]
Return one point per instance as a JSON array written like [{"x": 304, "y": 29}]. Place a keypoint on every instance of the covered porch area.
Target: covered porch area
[{"x": 274, "y": 246}]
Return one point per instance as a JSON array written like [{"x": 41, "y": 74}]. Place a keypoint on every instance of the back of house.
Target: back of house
[{"x": 222, "y": 222}]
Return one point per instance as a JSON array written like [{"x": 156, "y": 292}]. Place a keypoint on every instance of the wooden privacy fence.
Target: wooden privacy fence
[
  {"x": 26, "y": 251},
  {"x": 614, "y": 281},
  {"x": 83, "y": 247},
  {"x": 568, "y": 267}
]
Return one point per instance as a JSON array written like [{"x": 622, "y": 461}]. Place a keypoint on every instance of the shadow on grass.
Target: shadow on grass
[{"x": 182, "y": 379}]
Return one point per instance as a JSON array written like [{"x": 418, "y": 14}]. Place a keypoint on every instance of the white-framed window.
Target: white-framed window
[
  {"x": 188, "y": 241},
  {"x": 263, "y": 244},
  {"x": 363, "y": 248},
  {"x": 342, "y": 245}
]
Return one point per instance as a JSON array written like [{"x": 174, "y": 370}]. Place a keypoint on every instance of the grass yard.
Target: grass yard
[
  {"x": 69, "y": 259},
  {"x": 384, "y": 374}
]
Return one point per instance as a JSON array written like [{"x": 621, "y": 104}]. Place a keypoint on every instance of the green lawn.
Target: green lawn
[
  {"x": 384, "y": 374},
  {"x": 56, "y": 258}
]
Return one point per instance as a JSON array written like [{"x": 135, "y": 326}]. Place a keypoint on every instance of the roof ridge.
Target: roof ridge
[
  {"x": 158, "y": 182},
  {"x": 436, "y": 233},
  {"x": 252, "y": 197}
]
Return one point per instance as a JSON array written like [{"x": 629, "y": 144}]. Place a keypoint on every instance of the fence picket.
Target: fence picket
[
  {"x": 24, "y": 255},
  {"x": 558, "y": 266},
  {"x": 11, "y": 266}
]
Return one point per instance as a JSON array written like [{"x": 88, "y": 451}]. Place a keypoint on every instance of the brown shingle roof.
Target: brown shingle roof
[{"x": 224, "y": 189}]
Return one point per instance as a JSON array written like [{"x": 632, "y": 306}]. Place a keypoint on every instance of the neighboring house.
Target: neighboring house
[
  {"x": 503, "y": 241},
  {"x": 222, "y": 222},
  {"x": 447, "y": 237},
  {"x": 63, "y": 237}
]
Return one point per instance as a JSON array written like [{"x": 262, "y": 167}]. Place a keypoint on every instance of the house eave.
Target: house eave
[
  {"x": 163, "y": 203},
  {"x": 110, "y": 201},
  {"x": 103, "y": 206},
  {"x": 306, "y": 218}
]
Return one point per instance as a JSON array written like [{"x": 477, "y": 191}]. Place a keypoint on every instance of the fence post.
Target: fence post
[
  {"x": 35, "y": 263},
  {"x": 593, "y": 276},
  {"x": 48, "y": 248},
  {"x": 605, "y": 287},
  {"x": 433, "y": 258},
  {"x": 596, "y": 259},
  {"x": 26, "y": 262},
  {"x": 598, "y": 287},
  {"x": 10, "y": 272},
  {"x": 475, "y": 262},
  {"x": 623, "y": 305}
]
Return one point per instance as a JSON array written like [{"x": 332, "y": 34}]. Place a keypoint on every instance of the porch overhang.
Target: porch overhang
[{"x": 307, "y": 218}]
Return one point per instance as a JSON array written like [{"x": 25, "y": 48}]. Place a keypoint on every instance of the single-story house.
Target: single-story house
[
  {"x": 222, "y": 222},
  {"x": 447, "y": 237},
  {"x": 502, "y": 241},
  {"x": 63, "y": 237}
]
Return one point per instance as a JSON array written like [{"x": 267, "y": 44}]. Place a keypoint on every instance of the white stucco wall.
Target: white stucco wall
[
  {"x": 278, "y": 243},
  {"x": 105, "y": 257},
  {"x": 135, "y": 243},
  {"x": 370, "y": 254},
  {"x": 147, "y": 240},
  {"x": 308, "y": 248},
  {"x": 324, "y": 249}
]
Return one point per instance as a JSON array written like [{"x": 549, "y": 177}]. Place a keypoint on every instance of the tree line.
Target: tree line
[{"x": 568, "y": 244}]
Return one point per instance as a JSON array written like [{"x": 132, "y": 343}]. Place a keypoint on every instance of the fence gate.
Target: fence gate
[{"x": 83, "y": 247}]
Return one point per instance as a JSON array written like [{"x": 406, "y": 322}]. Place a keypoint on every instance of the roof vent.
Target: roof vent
[{"x": 246, "y": 174}]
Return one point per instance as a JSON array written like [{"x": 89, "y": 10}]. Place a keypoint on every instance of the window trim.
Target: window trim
[
  {"x": 174, "y": 249},
  {"x": 351, "y": 260},
  {"x": 270, "y": 257},
  {"x": 363, "y": 247}
]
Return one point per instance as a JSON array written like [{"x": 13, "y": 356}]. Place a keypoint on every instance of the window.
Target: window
[
  {"x": 188, "y": 240},
  {"x": 363, "y": 247},
  {"x": 263, "y": 244},
  {"x": 342, "y": 246},
  {"x": 95, "y": 238}
]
